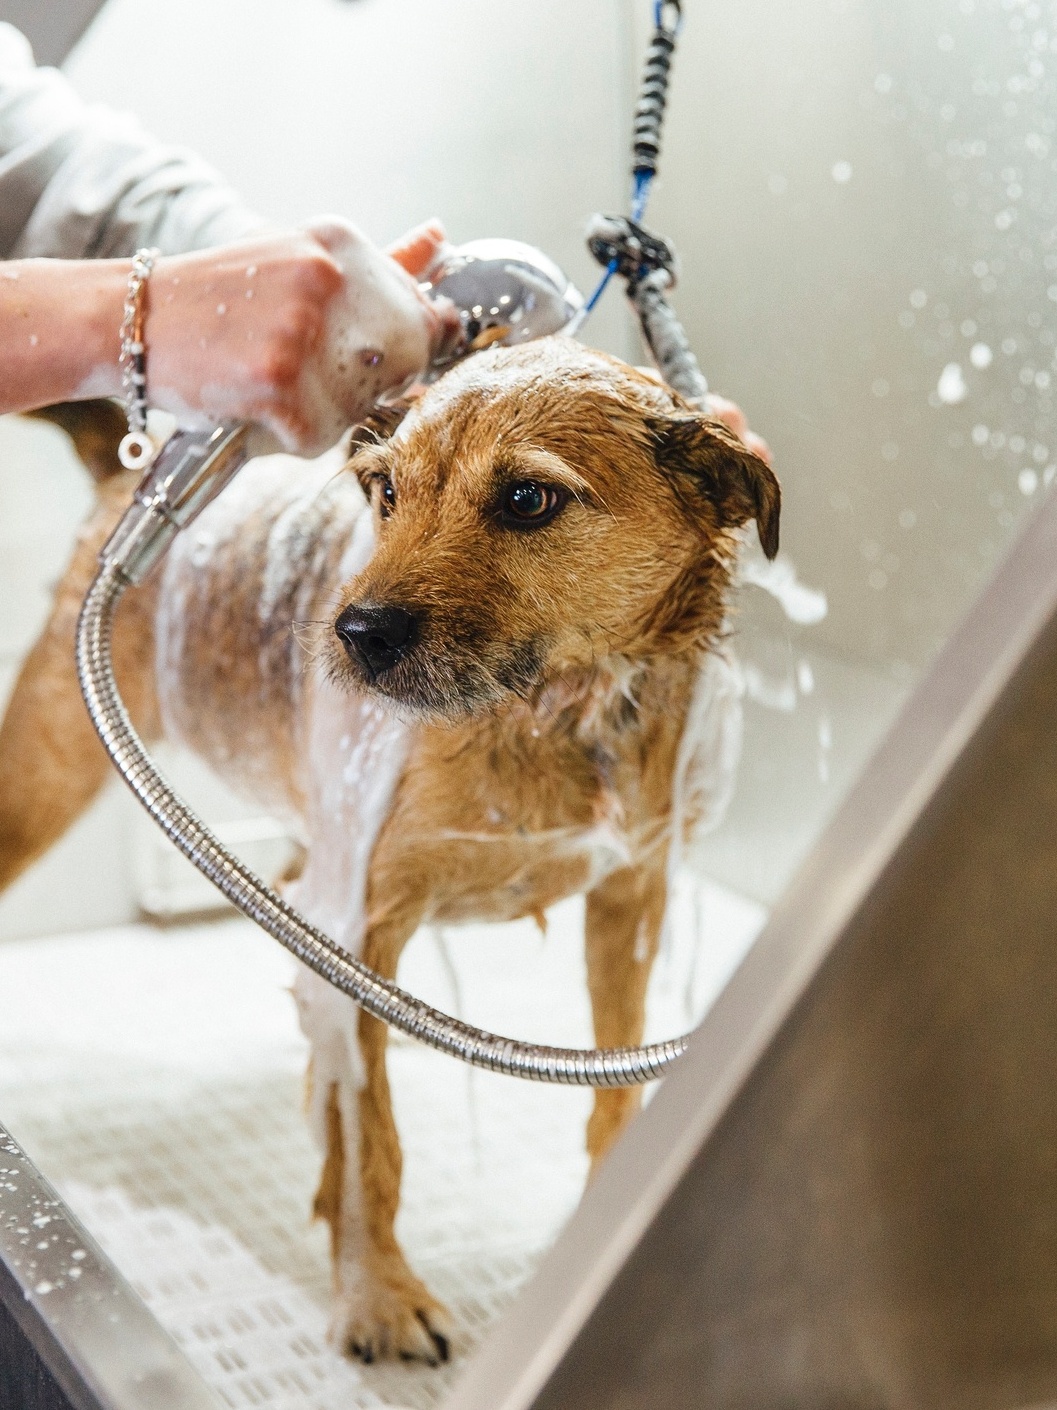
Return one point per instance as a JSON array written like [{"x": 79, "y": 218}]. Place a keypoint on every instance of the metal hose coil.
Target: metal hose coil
[{"x": 578, "y": 1067}]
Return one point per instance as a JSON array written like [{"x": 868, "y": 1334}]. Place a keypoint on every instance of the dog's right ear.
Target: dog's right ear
[{"x": 713, "y": 464}]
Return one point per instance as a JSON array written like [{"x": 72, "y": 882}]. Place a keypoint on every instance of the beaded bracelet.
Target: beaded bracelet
[{"x": 136, "y": 450}]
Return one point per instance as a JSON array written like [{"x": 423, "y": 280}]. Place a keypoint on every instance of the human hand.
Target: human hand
[
  {"x": 419, "y": 248},
  {"x": 368, "y": 352},
  {"x": 299, "y": 332}
]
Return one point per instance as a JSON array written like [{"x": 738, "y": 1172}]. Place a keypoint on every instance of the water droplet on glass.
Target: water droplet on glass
[{"x": 951, "y": 388}]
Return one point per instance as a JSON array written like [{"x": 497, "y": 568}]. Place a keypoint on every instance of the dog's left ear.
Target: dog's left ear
[{"x": 714, "y": 462}]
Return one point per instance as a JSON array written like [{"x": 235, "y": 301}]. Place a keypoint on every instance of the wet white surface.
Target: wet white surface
[{"x": 156, "y": 1077}]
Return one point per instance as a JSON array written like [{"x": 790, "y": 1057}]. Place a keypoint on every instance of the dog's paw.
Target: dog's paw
[{"x": 391, "y": 1318}]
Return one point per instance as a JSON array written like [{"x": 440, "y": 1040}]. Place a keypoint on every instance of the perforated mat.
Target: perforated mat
[{"x": 156, "y": 1076}]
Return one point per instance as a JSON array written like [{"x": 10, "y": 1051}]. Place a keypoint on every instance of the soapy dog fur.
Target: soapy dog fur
[{"x": 473, "y": 669}]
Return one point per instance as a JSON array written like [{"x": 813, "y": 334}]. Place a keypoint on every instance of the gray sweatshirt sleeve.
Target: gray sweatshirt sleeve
[{"x": 83, "y": 182}]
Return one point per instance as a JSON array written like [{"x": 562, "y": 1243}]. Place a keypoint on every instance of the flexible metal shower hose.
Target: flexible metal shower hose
[{"x": 579, "y": 1067}]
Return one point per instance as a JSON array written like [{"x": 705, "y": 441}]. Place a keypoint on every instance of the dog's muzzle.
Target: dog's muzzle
[{"x": 377, "y": 638}]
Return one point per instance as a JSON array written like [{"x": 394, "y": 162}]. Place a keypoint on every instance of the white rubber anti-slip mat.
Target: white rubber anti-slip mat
[{"x": 156, "y": 1078}]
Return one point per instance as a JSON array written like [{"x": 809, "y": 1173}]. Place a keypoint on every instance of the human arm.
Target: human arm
[
  {"x": 81, "y": 185},
  {"x": 299, "y": 332}
]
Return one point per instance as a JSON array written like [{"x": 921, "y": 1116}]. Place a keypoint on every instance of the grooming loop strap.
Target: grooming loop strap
[{"x": 629, "y": 249}]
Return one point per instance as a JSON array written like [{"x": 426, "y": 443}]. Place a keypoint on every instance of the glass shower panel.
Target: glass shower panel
[{"x": 864, "y": 199}]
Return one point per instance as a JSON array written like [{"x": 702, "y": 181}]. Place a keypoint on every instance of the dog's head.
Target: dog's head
[{"x": 539, "y": 509}]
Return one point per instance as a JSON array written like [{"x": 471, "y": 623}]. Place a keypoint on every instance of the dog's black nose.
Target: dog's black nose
[{"x": 377, "y": 637}]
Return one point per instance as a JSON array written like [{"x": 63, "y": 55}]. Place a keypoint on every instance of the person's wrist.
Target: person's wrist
[{"x": 105, "y": 301}]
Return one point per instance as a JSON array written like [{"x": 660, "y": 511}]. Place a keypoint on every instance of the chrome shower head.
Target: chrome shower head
[{"x": 505, "y": 292}]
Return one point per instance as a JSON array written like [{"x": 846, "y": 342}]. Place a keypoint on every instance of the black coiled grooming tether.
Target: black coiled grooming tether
[{"x": 653, "y": 95}]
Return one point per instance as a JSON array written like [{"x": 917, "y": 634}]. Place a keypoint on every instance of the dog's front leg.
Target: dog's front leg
[
  {"x": 623, "y": 923},
  {"x": 381, "y": 1308}
]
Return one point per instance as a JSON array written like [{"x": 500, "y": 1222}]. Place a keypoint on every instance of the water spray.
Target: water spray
[{"x": 505, "y": 293}]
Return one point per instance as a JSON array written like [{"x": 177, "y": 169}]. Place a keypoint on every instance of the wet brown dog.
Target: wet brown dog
[{"x": 511, "y": 698}]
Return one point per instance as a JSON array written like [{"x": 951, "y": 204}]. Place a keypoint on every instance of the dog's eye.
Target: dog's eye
[
  {"x": 386, "y": 496},
  {"x": 527, "y": 503}
]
